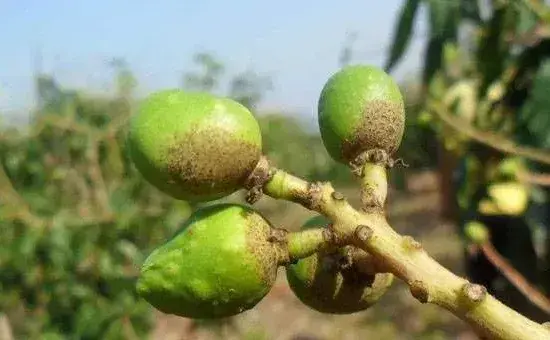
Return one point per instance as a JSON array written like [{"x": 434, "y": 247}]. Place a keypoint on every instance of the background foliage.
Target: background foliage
[{"x": 486, "y": 67}]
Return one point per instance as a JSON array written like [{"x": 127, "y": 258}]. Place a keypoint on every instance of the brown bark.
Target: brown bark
[{"x": 447, "y": 163}]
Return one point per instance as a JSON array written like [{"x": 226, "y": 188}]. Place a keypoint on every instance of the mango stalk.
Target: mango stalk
[{"x": 404, "y": 257}]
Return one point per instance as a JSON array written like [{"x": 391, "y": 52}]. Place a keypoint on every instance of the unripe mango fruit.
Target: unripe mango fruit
[
  {"x": 360, "y": 108},
  {"x": 221, "y": 263},
  {"x": 476, "y": 232},
  {"x": 505, "y": 198},
  {"x": 194, "y": 146},
  {"x": 322, "y": 283}
]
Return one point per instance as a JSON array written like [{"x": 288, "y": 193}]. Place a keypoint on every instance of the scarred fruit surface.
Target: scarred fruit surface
[
  {"x": 221, "y": 263},
  {"x": 360, "y": 108},
  {"x": 336, "y": 282},
  {"x": 194, "y": 146}
]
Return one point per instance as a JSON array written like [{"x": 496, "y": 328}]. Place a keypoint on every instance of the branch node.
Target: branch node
[
  {"x": 279, "y": 237},
  {"x": 376, "y": 156},
  {"x": 253, "y": 195},
  {"x": 363, "y": 233},
  {"x": 314, "y": 195},
  {"x": 329, "y": 236},
  {"x": 371, "y": 203},
  {"x": 255, "y": 182},
  {"x": 338, "y": 196},
  {"x": 474, "y": 293},
  {"x": 410, "y": 244},
  {"x": 419, "y": 290}
]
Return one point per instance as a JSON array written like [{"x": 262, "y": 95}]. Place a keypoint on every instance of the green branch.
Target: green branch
[
  {"x": 302, "y": 244},
  {"x": 538, "y": 8},
  {"x": 489, "y": 139},
  {"x": 429, "y": 281}
]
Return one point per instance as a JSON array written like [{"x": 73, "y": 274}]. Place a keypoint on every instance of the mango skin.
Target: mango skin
[
  {"x": 219, "y": 264},
  {"x": 320, "y": 284},
  {"x": 194, "y": 146},
  {"x": 505, "y": 198},
  {"x": 360, "y": 108}
]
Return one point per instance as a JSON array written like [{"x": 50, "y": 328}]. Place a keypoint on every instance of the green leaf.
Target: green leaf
[
  {"x": 52, "y": 336},
  {"x": 493, "y": 50},
  {"x": 433, "y": 59},
  {"x": 470, "y": 10},
  {"x": 534, "y": 116},
  {"x": 403, "y": 31},
  {"x": 526, "y": 19},
  {"x": 444, "y": 17},
  {"x": 89, "y": 321}
]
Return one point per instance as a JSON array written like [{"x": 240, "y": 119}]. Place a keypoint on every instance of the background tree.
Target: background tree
[{"x": 483, "y": 75}]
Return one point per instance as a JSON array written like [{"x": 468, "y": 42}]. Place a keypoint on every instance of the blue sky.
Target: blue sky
[{"x": 296, "y": 42}]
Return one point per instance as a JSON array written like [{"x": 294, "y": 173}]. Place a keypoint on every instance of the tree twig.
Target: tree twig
[
  {"x": 515, "y": 277},
  {"x": 404, "y": 257},
  {"x": 492, "y": 140},
  {"x": 6, "y": 332},
  {"x": 533, "y": 178}
]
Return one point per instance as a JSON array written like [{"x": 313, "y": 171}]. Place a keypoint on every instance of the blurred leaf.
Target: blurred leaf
[
  {"x": 443, "y": 17},
  {"x": 492, "y": 49},
  {"x": 402, "y": 32},
  {"x": 535, "y": 114},
  {"x": 346, "y": 53},
  {"x": 125, "y": 79},
  {"x": 462, "y": 95},
  {"x": 526, "y": 19},
  {"x": 470, "y": 10},
  {"x": 432, "y": 59},
  {"x": 52, "y": 336},
  {"x": 248, "y": 88},
  {"x": 114, "y": 160},
  {"x": 208, "y": 77}
]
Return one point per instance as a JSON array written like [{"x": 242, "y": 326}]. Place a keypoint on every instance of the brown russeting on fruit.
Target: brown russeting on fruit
[
  {"x": 257, "y": 240},
  {"x": 344, "y": 289},
  {"x": 381, "y": 127},
  {"x": 190, "y": 161}
]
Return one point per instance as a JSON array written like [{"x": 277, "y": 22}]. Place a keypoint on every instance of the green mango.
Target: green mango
[
  {"x": 338, "y": 281},
  {"x": 194, "y": 146},
  {"x": 360, "y": 108},
  {"x": 505, "y": 198},
  {"x": 222, "y": 262}
]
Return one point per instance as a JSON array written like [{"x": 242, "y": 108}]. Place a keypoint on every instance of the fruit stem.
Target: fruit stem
[
  {"x": 374, "y": 187},
  {"x": 304, "y": 243},
  {"x": 428, "y": 280}
]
